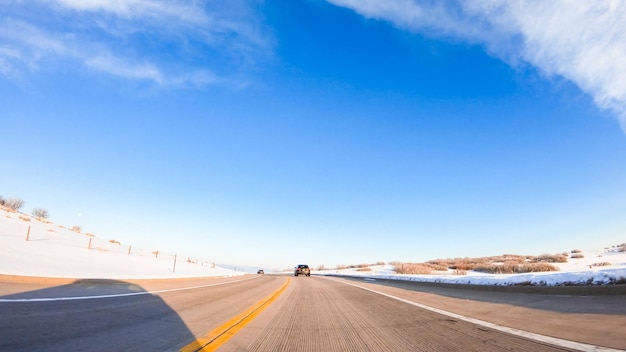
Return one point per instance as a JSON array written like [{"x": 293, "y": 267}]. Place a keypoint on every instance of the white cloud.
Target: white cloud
[
  {"x": 8, "y": 56},
  {"x": 148, "y": 71},
  {"x": 582, "y": 41},
  {"x": 25, "y": 46},
  {"x": 19, "y": 34},
  {"x": 117, "y": 67},
  {"x": 177, "y": 43},
  {"x": 182, "y": 11}
]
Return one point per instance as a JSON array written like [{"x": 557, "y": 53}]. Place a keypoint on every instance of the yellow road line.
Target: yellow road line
[{"x": 220, "y": 335}]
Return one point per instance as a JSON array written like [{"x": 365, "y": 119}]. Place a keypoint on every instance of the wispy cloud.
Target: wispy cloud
[
  {"x": 582, "y": 41},
  {"x": 117, "y": 67},
  {"x": 170, "y": 43},
  {"x": 182, "y": 11}
]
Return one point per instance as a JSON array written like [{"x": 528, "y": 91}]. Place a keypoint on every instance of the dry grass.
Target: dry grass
[
  {"x": 115, "y": 242},
  {"x": 502, "y": 264},
  {"x": 552, "y": 258},
  {"x": 601, "y": 264},
  {"x": 358, "y": 267},
  {"x": 577, "y": 256},
  {"x": 516, "y": 268},
  {"x": 24, "y": 218},
  {"x": 418, "y": 268},
  {"x": 471, "y": 263},
  {"x": 413, "y": 268}
]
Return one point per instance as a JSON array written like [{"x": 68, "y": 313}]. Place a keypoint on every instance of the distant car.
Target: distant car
[
  {"x": 260, "y": 272},
  {"x": 302, "y": 269}
]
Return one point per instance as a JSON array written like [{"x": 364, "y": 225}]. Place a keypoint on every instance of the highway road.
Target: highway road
[{"x": 284, "y": 313}]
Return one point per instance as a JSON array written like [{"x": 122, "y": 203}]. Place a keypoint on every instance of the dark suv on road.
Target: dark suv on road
[{"x": 302, "y": 269}]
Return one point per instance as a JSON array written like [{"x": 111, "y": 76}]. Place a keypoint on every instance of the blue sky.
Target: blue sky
[{"x": 271, "y": 133}]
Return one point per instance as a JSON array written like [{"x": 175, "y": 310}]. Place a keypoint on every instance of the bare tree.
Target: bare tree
[
  {"x": 14, "y": 203},
  {"x": 2, "y": 201},
  {"x": 40, "y": 213}
]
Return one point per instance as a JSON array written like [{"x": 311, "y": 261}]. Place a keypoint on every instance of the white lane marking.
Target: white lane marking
[
  {"x": 51, "y": 299},
  {"x": 529, "y": 335}
]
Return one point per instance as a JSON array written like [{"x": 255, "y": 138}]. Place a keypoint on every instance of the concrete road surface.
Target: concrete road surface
[{"x": 296, "y": 314}]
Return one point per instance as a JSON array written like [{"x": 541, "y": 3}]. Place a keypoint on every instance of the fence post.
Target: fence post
[
  {"x": 174, "y": 269},
  {"x": 89, "y": 246},
  {"x": 28, "y": 233},
  {"x": 129, "y": 249}
]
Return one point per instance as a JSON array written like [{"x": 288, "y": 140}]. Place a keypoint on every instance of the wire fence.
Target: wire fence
[{"x": 54, "y": 236}]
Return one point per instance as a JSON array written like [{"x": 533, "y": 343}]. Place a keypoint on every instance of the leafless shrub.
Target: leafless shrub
[
  {"x": 413, "y": 268},
  {"x": 341, "y": 267},
  {"x": 516, "y": 268},
  {"x": 40, "y": 213},
  {"x": 76, "y": 228},
  {"x": 538, "y": 267},
  {"x": 24, "y": 218},
  {"x": 471, "y": 263},
  {"x": 551, "y": 258},
  {"x": 577, "y": 256},
  {"x": 601, "y": 264},
  {"x": 441, "y": 262},
  {"x": 115, "y": 242},
  {"x": 321, "y": 267},
  {"x": 14, "y": 203},
  {"x": 495, "y": 268},
  {"x": 501, "y": 264},
  {"x": 462, "y": 266},
  {"x": 364, "y": 269}
]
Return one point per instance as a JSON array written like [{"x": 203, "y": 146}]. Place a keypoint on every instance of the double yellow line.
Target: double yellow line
[{"x": 214, "y": 339}]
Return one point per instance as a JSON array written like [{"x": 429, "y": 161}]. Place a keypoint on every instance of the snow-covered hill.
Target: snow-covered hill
[{"x": 29, "y": 247}]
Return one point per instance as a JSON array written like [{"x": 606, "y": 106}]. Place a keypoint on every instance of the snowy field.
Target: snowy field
[
  {"x": 49, "y": 250},
  {"x": 574, "y": 272},
  {"x": 55, "y": 251}
]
